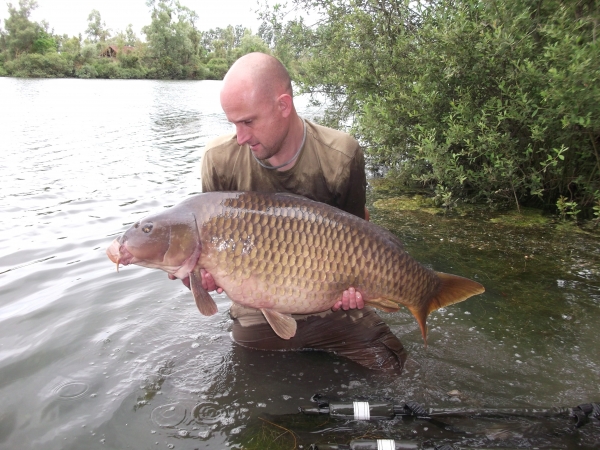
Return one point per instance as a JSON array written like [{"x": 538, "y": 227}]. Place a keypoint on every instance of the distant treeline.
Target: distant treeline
[
  {"x": 487, "y": 101},
  {"x": 173, "y": 48}
]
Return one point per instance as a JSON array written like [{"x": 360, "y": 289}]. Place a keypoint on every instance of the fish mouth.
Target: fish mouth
[{"x": 117, "y": 252}]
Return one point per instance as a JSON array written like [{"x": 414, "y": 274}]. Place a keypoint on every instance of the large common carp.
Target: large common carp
[{"x": 285, "y": 254}]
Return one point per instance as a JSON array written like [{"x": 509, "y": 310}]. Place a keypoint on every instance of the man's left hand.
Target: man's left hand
[{"x": 351, "y": 299}]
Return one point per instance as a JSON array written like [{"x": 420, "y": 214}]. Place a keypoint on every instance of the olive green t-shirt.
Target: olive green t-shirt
[{"x": 329, "y": 169}]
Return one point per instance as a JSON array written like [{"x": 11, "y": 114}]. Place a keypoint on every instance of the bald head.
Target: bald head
[
  {"x": 257, "y": 98},
  {"x": 259, "y": 73}
]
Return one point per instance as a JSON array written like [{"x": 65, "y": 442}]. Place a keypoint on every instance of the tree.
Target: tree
[
  {"x": 44, "y": 43},
  {"x": 126, "y": 37},
  {"x": 494, "y": 101},
  {"x": 172, "y": 33},
  {"x": 130, "y": 36},
  {"x": 21, "y": 32},
  {"x": 70, "y": 45},
  {"x": 96, "y": 30},
  {"x": 250, "y": 43}
]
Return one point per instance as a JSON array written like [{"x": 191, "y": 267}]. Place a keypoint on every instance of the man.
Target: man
[{"x": 275, "y": 150}]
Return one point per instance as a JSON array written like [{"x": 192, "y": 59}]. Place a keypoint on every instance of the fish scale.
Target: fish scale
[{"x": 286, "y": 254}]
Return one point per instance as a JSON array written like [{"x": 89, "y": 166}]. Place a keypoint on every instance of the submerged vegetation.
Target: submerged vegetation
[{"x": 486, "y": 102}]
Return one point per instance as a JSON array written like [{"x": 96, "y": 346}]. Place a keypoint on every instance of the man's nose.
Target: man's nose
[{"x": 242, "y": 134}]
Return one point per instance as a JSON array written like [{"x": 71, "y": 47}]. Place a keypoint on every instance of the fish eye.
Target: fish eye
[{"x": 147, "y": 228}]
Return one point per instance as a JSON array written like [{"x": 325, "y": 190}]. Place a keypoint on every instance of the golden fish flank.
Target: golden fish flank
[{"x": 286, "y": 254}]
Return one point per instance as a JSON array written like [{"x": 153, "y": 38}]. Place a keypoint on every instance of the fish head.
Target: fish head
[{"x": 167, "y": 241}]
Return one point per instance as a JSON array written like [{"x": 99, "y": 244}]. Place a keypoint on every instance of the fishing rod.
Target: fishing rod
[
  {"x": 386, "y": 410},
  {"x": 378, "y": 444},
  {"x": 388, "y": 444}
]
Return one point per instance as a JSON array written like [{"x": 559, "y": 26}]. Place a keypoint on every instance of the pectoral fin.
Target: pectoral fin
[
  {"x": 284, "y": 325},
  {"x": 204, "y": 301}
]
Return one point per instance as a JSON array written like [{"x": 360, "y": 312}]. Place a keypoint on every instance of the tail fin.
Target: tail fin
[{"x": 452, "y": 289}]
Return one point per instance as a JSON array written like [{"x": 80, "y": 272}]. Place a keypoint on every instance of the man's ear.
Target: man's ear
[{"x": 286, "y": 105}]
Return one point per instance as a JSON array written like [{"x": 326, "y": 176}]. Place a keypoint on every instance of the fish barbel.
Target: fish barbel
[{"x": 285, "y": 254}]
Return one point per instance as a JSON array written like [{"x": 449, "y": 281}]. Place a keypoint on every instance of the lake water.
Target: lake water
[{"x": 91, "y": 358}]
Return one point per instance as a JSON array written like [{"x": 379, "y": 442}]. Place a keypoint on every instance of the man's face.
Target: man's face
[{"x": 258, "y": 121}]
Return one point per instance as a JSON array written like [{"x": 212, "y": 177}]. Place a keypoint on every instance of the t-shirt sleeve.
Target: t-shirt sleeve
[
  {"x": 353, "y": 190},
  {"x": 215, "y": 161},
  {"x": 211, "y": 182}
]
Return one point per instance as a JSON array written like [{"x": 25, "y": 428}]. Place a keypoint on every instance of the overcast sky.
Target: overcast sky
[{"x": 70, "y": 16}]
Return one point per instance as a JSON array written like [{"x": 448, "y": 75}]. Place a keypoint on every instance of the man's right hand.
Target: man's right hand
[{"x": 208, "y": 282}]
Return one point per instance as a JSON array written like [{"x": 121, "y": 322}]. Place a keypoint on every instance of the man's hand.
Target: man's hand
[
  {"x": 351, "y": 299},
  {"x": 208, "y": 282},
  {"x": 185, "y": 281}
]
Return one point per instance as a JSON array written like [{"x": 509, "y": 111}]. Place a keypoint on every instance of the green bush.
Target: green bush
[
  {"x": 89, "y": 52},
  {"x": 494, "y": 101},
  {"x": 165, "y": 68},
  {"x": 44, "y": 43},
  {"x": 196, "y": 69},
  {"x": 129, "y": 61},
  {"x": 86, "y": 71},
  {"x": 128, "y": 73},
  {"x": 217, "y": 68},
  {"x": 200, "y": 72},
  {"x": 50, "y": 65},
  {"x": 106, "y": 68},
  {"x": 3, "y": 71}
]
